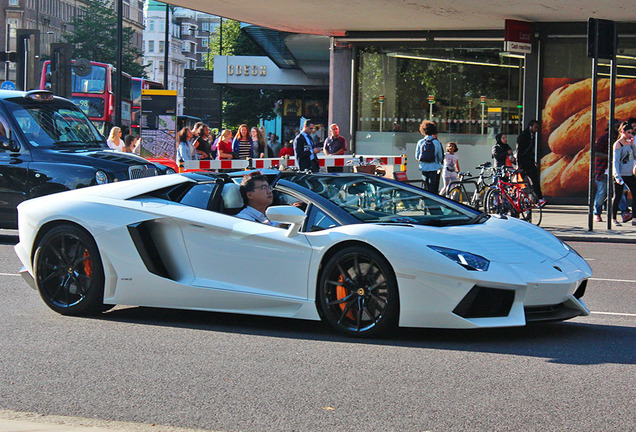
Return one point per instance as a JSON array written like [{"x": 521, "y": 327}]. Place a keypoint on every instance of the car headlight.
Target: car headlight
[
  {"x": 465, "y": 259},
  {"x": 101, "y": 177}
]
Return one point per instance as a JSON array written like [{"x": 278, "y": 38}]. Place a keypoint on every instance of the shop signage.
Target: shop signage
[
  {"x": 260, "y": 71},
  {"x": 246, "y": 70},
  {"x": 518, "y": 37}
]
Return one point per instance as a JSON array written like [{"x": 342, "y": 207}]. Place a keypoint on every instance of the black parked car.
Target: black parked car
[{"x": 48, "y": 145}]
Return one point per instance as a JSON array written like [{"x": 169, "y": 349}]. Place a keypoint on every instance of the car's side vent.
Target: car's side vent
[
  {"x": 482, "y": 302},
  {"x": 143, "y": 240}
]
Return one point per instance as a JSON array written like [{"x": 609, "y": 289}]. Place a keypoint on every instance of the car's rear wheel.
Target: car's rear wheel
[
  {"x": 358, "y": 294},
  {"x": 69, "y": 272}
]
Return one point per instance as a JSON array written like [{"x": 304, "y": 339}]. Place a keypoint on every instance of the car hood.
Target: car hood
[
  {"x": 508, "y": 241},
  {"x": 96, "y": 158}
]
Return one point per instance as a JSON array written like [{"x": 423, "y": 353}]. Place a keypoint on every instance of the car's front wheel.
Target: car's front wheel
[
  {"x": 69, "y": 272},
  {"x": 358, "y": 294}
]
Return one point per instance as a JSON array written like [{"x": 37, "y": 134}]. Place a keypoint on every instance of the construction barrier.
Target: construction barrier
[{"x": 323, "y": 161}]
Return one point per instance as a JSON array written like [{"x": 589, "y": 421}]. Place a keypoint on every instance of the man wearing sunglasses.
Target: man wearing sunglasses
[{"x": 257, "y": 194}]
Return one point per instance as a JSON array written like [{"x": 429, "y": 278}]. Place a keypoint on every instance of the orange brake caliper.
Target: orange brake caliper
[
  {"x": 341, "y": 292},
  {"x": 88, "y": 264}
]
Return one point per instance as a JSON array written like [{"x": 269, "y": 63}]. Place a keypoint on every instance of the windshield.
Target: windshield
[
  {"x": 374, "y": 200},
  {"x": 54, "y": 124}
]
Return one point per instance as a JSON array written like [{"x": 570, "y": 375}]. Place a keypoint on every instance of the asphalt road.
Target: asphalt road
[{"x": 236, "y": 373}]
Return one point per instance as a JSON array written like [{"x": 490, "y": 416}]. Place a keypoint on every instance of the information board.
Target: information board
[{"x": 158, "y": 123}]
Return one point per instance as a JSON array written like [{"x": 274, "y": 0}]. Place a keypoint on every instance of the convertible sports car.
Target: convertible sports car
[{"x": 363, "y": 253}]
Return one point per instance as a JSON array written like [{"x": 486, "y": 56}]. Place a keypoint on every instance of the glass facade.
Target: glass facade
[{"x": 466, "y": 88}]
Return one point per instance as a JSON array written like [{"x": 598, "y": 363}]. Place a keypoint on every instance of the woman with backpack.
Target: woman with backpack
[{"x": 430, "y": 154}]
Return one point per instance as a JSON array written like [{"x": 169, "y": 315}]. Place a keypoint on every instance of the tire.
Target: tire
[
  {"x": 529, "y": 211},
  {"x": 357, "y": 293},
  {"x": 69, "y": 272},
  {"x": 492, "y": 202},
  {"x": 480, "y": 198},
  {"x": 457, "y": 194}
]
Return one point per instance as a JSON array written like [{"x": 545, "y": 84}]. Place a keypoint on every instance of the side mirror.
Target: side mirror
[
  {"x": 8, "y": 144},
  {"x": 286, "y": 214}
]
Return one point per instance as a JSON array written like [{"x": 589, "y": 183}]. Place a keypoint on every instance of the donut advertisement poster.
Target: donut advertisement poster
[{"x": 565, "y": 130}]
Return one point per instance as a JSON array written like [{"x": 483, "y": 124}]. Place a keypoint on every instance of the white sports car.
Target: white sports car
[{"x": 363, "y": 253}]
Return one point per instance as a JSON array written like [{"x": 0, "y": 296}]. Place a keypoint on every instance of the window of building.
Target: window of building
[
  {"x": 398, "y": 87},
  {"x": 162, "y": 46},
  {"x": 151, "y": 25},
  {"x": 151, "y": 46},
  {"x": 14, "y": 2}
]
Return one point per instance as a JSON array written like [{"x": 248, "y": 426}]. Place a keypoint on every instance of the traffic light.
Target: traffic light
[
  {"x": 61, "y": 54},
  {"x": 27, "y": 61}
]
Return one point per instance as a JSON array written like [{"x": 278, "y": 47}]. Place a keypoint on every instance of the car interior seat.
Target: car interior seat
[{"x": 232, "y": 201}]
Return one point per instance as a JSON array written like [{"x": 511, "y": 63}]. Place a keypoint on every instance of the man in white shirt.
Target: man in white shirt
[{"x": 257, "y": 194}]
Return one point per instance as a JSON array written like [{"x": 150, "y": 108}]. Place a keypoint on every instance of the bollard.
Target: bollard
[
  {"x": 403, "y": 166},
  {"x": 180, "y": 165}
]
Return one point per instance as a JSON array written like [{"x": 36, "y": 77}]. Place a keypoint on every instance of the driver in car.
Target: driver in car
[{"x": 257, "y": 194}]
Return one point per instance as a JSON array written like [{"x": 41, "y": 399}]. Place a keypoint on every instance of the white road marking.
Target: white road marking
[
  {"x": 614, "y": 314},
  {"x": 613, "y": 280},
  {"x": 9, "y": 274}
]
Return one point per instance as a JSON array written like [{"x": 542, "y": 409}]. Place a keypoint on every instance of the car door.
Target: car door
[
  {"x": 14, "y": 179},
  {"x": 232, "y": 254}
]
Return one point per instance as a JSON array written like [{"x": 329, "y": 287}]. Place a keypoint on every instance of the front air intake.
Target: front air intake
[{"x": 482, "y": 302}]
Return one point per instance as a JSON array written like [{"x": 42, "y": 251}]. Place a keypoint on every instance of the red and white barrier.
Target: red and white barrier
[{"x": 323, "y": 161}]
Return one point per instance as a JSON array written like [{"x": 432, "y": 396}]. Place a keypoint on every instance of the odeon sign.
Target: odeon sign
[{"x": 246, "y": 70}]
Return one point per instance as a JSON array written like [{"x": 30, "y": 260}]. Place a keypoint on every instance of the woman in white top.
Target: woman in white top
[
  {"x": 624, "y": 167},
  {"x": 450, "y": 169},
  {"x": 114, "y": 139}
]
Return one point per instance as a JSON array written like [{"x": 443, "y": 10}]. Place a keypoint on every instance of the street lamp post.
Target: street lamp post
[
  {"x": 120, "y": 48},
  {"x": 166, "y": 57}
]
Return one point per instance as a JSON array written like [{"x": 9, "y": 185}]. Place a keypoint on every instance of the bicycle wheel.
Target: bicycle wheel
[
  {"x": 457, "y": 194},
  {"x": 479, "y": 196},
  {"x": 528, "y": 210},
  {"x": 492, "y": 202}
]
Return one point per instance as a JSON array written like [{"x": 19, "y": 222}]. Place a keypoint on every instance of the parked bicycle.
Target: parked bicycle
[
  {"x": 510, "y": 195},
  {"x": 478, "y": 185}
]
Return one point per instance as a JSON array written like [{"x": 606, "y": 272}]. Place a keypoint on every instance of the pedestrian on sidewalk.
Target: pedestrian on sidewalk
[
  {"x": 430, "y": 153},
  {"x": 526, "y": 157},
  {"x": 601, "y": 148},
  {"x": 501, "y": 152},
  {"x": 624, "y": 166},
  {"x": 450, "y": 171}
]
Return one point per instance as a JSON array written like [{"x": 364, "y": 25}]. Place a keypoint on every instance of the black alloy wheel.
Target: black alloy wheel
[
  {"x": 358, "y": 294},
  {"x": 68, "y": 271}
]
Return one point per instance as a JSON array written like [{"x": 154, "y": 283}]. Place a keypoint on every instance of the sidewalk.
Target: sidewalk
[{"x": 570, "y": 223}]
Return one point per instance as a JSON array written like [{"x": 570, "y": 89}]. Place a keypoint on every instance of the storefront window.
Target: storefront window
[{"x": 466, "y": 90}]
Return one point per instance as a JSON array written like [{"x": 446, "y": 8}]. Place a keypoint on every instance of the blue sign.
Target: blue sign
[{"x": 8, "y": 85}]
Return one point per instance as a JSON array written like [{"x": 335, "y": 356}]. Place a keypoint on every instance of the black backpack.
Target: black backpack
[{"x": 428, "y": 150}]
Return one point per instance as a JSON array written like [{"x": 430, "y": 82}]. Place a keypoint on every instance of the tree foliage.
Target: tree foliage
[
  {"x": 94, "y": 37},
  {"x": 241, "y": 105}
]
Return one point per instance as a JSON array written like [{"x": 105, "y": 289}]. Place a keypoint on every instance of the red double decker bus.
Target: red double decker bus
[
  {"x": 137, "y": 85},
  {"x": 95, "y": 94}
]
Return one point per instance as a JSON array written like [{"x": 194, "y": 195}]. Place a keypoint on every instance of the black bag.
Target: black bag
[{"x": 428, "y": 150}]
